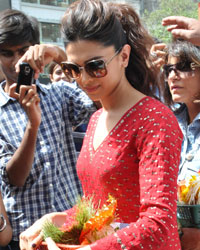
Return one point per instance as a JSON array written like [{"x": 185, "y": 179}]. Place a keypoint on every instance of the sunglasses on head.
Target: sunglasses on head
[
  {"x": 180, "y": 66},
  {"x": 94, "y": 68}
]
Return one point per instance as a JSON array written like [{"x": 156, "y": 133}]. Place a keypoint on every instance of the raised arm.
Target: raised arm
[
  {"x": 40, "y": 55},
  {"x": 20, "y": 164},
  {"x": 183, "y": 27}
]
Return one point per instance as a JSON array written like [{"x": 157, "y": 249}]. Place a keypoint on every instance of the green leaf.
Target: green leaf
[{"x": 50, "y": 230}]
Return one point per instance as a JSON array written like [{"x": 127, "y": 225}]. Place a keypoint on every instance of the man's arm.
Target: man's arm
[
  {"x": 19, "y": 166},
  {"x": 39, "y": 55},
  {"x": 183, "y": 27}
]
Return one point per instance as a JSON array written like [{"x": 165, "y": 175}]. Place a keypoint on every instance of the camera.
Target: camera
[{"x": 25, "y": 76}]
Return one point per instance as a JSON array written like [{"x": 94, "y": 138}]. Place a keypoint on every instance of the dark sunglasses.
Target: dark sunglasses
[
  {"x": 94, "y": 68},
  {"x": 180, "y": 66}
]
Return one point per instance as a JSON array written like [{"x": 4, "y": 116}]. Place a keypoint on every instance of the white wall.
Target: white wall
[{"x": 43, "y": 13}]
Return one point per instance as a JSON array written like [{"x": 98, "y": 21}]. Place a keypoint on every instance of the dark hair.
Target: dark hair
[
  {"x": 16, "y": 28},
  {"x": 117, "y": 25},
  {"x": 186, "y": 52}
]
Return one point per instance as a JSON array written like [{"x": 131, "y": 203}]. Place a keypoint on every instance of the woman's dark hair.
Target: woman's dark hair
[
  {"x": 186, "y": 52},
  {"x": 113, "y": 24},
  {"x": 16, "y": 28}
]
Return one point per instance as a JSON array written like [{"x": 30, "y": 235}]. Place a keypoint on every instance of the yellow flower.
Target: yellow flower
[{"x": 189, "y": 190}]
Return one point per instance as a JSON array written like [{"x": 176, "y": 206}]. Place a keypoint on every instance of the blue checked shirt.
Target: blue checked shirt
[
  {"x": 52, "y": 184},
  {"x": 190, "y": 152}
]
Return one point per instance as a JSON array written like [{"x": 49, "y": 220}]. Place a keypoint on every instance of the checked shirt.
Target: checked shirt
[{"x": 52, "y": 184}]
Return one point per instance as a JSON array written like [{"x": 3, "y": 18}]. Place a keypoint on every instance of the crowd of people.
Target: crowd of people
[
  {"x": 136, "y": 147},
  {"x": 56, "y": 74},
  {"x": 37, "y": 152}
]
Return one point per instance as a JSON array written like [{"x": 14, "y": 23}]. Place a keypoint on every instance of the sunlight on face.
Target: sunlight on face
[
  {"x": 81, "y": 52},
  {"x": 184, "y": 86}
]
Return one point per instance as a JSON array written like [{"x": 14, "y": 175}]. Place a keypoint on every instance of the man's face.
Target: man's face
[{"x": 9, "y": 56}]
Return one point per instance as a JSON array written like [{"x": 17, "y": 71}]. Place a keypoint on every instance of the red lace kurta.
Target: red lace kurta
[{"x": 137, "y": 163}]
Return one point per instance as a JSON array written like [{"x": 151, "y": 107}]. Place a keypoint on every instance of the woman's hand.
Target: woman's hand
[
  {"x": 158, "y": 54},
  {"x": 85, "y": 248},
  {"x": 33, "y": 236},
  {"x": 52, "y": 245}
]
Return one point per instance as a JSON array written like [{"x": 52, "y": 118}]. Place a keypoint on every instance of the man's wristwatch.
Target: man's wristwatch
[{"x": 3, "y": 223}]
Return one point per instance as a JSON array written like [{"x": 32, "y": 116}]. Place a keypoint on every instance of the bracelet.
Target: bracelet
[{"x": 4, "y": 223}]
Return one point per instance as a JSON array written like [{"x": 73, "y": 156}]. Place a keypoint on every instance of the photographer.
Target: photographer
[{"x": 37, "y": 152}]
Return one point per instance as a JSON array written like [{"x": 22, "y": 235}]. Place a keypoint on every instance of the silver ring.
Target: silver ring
[{"x": 153, "y": 54}]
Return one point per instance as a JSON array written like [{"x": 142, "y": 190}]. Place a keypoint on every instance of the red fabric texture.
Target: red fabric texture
[{"x": 137, "y": 163}]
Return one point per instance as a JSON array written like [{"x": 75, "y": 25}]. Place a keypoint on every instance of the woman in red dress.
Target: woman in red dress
[{"x": 132, "y": 146}]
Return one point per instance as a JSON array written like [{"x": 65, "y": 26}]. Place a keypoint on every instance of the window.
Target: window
[
  {"x": 50, "y": 32},
  {"x": 30, "y": 1},
  {"x": 59, "y": 3}
]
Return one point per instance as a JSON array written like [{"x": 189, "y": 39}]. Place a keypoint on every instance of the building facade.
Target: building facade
[{"x": 50, "y": 12}]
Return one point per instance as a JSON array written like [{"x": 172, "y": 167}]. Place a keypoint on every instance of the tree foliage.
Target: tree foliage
[{"x": 152, "y": 20}]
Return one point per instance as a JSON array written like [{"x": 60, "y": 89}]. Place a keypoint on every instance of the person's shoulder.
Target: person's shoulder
[
  {"x": 68, "y": 86},
  {"x": 153, "y": 101},
  {"x": 158, "y": 110},
  {"x": 60, "y": 86},
  {"x": 155, "y": 104}
]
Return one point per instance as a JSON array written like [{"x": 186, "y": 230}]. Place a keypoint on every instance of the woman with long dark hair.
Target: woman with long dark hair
[{"x": 132, "y": 145}]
